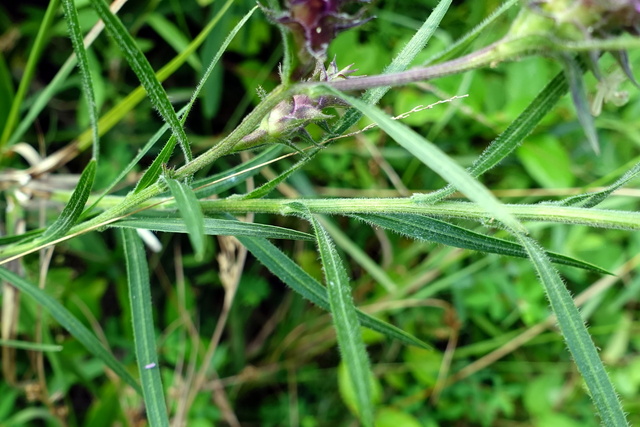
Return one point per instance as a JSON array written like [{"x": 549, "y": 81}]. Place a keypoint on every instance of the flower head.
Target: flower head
[{"x": 315, "y": 23}]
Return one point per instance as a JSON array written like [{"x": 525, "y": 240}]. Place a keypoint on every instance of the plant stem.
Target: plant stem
[{"x": 548, "y": 213}]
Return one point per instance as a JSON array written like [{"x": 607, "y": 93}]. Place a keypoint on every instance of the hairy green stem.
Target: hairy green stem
[{"x": 540, "y": 212}]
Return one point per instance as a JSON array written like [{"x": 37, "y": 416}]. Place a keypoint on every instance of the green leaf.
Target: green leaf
[
  {"x": 71, "y": 324},
  {"x": 574, "y": 72},
  {"x": 301, "y": 282},
  {"x": 143, "y": 329},
  {"x": 399, "y": 63},
  {"x": 237, "y": 174},
  {"x": 547, "y": 161},
  {"x": 426, "y": 228},
  {"x": 33, "y": 346},
  {"x": 140, "y": 65},
  {"x": 29, "y": 71},
  {"x": 511, "y": 138},
  {"x": 73, "y": 209},
  {"x": 459, "y": 47},
  {"x": 577, "y": 338},
  {"x": 346, "y": 323},
  {"x": 590, "y": 200},
  {"x": 151, "y": 175},
  {"x": 75, "y": 34},
  {"x": 436, "y": 159},
  {"x": 215, "y": 227},
  {"x": 191, "y": 212},
  {"x": 173, "y": 37}
]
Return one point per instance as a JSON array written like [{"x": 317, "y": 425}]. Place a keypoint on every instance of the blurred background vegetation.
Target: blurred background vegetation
[{"x": 277, "y": 363}]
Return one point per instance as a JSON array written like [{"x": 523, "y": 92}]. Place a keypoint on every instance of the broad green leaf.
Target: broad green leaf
[
  {"x": 435, "y": 230},
  {"x": 346, "y": 324},
  {"x": 577, "y": 337},
  {"x": 191, "y": 213},
  {"x": 215, "y": 227},
  {"x": 75, "y": 33},
  {"x": 547, "y": 161},
  {"x": 436, "y": 159},
  {"x": 301, "y": 282},
  {"x": 144, "y": 329},
  {"x": 71, "y": 324},
  {"x": 74, "y": 208},
  {"x": 140, "y": 65},
  {"x": 511, "y": 138}
]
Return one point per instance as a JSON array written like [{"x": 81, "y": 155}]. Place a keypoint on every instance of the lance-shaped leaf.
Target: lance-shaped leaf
[
  {"x": 73, "y": 209},
  {"x": 301, "y": 282},
  {"x": 140, "y": 65},
  {"x": 346, "y": 322},
  {"x": 215, "y": 227},
  {"x": 143, "y": 329},
  {"x": 71, "y": 324},
  {"x": 191, "y": 212},
  {"x": 435, "y": 230},
  {"x": 577, "y": 337}
]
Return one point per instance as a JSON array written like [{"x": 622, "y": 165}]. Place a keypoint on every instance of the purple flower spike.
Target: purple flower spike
[{"x": 315, "y": 23}]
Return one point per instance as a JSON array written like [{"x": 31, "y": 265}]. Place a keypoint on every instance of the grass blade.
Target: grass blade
[
  {"x": 75, "y": 33},
  {"x": 143, "y": 329},
  {"x": 191, "y": 213},
  {"x": 73, "y": 209},
  {"x": 71, "y": 324},
  {"x": 577, "y": 338},
  {"x": 140, "y": 65},
  {"x": 301, "y": 282},
  {"x": 215, "y": 227},
  {"x": 29, "y": 71},
  {"x": 435, "y": 230},
  {"x": 345, "y": 320}
]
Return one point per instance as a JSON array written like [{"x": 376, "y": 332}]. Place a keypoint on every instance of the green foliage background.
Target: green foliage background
[{"x": 278, "y": 363}]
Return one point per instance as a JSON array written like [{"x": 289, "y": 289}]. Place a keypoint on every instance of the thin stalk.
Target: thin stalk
[{"x": 600, "y": 218}]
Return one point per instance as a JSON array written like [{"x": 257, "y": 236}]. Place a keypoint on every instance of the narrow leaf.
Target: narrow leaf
[
  {"x": 511, "y": 138},
  {"x": 151, "y": 175},
  {"x": 191, "y": 212},
  {"x": 73, "y": 209},
  {"x": 590, "y": 200},
  {"x": 144, "y": 71},
  {"x": 143, "y": 329},
  {"x": 218, "y": 183},
  {"x": 71, "y": 324},
  {"x": 577, "y": 338},
  {"x": 301, "y": 282},
  {"x": 399, "y": 63},
  {"x": 435, "y": 230},
  {"x": 436, "y": 159},
  {"x": 215, "y": 227},
  {"x": 574, "y": 73},
  {"x": 75, "y": 33},
  {"x": 346, "y": 323}
]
